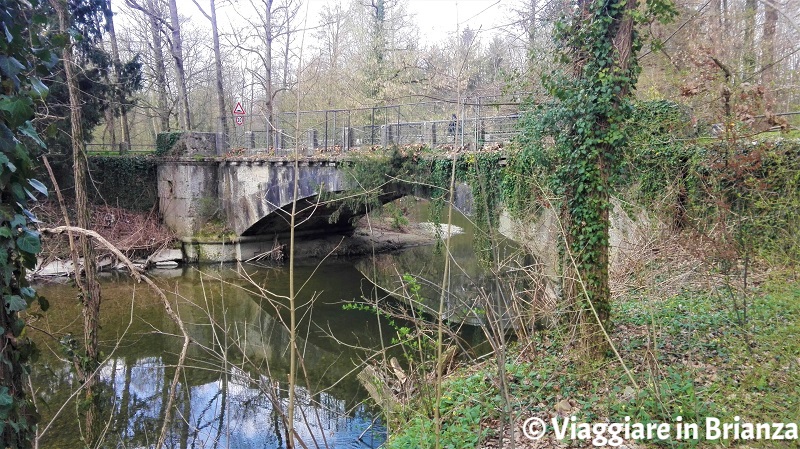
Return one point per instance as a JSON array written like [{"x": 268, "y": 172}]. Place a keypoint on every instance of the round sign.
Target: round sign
[{"x": 239, "y": 120}]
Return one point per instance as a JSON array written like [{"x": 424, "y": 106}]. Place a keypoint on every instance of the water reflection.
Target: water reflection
[
  {"x": 473, "y": 285},
  {"x": 234, "y": 391}
]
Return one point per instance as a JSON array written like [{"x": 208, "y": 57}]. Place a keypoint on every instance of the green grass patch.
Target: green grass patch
[{"x": 691, "y": 355}]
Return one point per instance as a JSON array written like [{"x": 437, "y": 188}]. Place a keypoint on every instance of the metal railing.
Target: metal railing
[{"x": 473, "y": 123}]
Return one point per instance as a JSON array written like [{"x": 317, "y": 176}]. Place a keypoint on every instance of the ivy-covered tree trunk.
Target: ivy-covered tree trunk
[
  {"x": 600, "y": 43},
  {"x": 90, "y": 289}
]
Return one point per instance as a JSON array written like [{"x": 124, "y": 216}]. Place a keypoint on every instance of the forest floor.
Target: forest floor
[{"x": 700, "y": 344}]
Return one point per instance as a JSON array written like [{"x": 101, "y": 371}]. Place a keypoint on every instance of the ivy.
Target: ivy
[
  {"x": 165, "y": 142},
  {"x": 24, "y": 62},
  {"x": 572, "y": 147},
  {"x": 129, "y": 181}
]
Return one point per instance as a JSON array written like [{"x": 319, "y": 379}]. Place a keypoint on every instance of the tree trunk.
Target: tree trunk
[
  {"x": 749, "y": 58},
  {"x": 119, "y": 107},
  {"x": 590, "y": 150},
  {"x": 111, "y": 127},
  {"x": 90, "y": 289},
  {"x": 269, "y": 38},
  {"x": 180, "y": 72},
  {"x": 160, "y": 69},
  {"x": 221, "y": 110},
  {"x": 768, "y": 72}
]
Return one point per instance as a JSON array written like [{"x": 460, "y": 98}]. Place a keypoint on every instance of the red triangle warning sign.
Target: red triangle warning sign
[{"x": 238, "y": 110}]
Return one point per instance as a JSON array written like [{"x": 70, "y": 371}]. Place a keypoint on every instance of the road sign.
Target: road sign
[
  {"x": 239, "y": 120},
  {"x": 238, "y": 110}
]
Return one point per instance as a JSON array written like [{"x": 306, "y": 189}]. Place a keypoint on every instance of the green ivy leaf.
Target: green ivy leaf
[
  {"x": 15, "y": 303},
  {"x": 44, "y": 304},
  {"x": 11, "y": 67},
  {"x": 18, "y": 221},
  {"x": 29, "y": 242},
  {"x": 6, "y": 402},
  {"x": 38, "y": 186},
  {"x": 39, "y": 90},
  {"x": 9, "y": 36},
  {"x": 19, "y": 192},
  {"x": 7, "y": 140},
  {"x": 28, "y": 130},
  {"x": 19, "y": 108}
]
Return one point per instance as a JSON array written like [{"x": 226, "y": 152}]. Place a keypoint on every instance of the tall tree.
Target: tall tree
[
  {"x": 768, "y": 54},
  {"x": 159, "y": 68},
  {"x": 119, "y": 107},
  {"x": 90, "y": 288},
  {"x": 272, "y": 24},
  {"x": 222, "y": 113},
  {"x": 600, "y": 44},
  {"x": 180, "y": 72}
]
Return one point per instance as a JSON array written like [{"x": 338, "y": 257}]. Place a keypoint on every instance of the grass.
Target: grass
[{"x": 690, "y": 353}]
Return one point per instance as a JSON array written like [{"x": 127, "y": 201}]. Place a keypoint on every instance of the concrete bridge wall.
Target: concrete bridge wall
[
  {"x": 197, "y": 196},
  {"x": 204, "y": 197}
]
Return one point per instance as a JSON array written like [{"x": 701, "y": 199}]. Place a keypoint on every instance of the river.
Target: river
[{"x": 231, "y": 392}]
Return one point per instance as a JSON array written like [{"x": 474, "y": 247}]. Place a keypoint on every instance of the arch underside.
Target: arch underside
[{"x": 313, "y": 217}]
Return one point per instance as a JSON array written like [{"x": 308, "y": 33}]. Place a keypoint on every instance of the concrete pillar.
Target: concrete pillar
[
  {"x": 221, "y": 143},
  {"x": 429, "y": 133},
  {"x": 250, "y": 139},
  {"x": 387, "y": 136},
  {"x": 311, "y": 138},
  {"x": 347, "y": 138}
]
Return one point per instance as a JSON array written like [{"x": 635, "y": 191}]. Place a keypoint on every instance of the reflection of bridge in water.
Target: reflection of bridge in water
[{"x": 475, "y": 122}]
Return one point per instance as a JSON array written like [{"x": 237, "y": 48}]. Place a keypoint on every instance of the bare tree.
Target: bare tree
[
  {"x": 180, "y": 73},
  {"x": 90, "y": 288},
  {"x": 118, "y": 107},
  {"x": 222, "y": 114},
  {"x": 273, "y": 23}
]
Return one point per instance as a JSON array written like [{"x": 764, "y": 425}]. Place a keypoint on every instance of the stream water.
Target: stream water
[{"x": 235, "y": 383}]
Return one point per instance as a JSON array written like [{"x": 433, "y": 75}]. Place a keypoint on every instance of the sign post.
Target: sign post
[{"x": 239, "y": 113}]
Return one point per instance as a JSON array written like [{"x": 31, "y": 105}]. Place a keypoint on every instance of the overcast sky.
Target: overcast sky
[{"x": 436, "y": 19}]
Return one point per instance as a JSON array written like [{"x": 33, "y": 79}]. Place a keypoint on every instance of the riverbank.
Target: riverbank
[
  {"x": 697, "y": 344},
  {"x": 147, "y": 242}
]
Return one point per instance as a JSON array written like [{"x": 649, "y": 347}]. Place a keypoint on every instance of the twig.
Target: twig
[{"x": 137, "y": 274}]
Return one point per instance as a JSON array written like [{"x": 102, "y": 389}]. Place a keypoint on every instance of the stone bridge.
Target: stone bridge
[
  {"x": 251, "y": 197},
  {"x": 215, "y": 199},
  {"x": 209, "y": 192}
]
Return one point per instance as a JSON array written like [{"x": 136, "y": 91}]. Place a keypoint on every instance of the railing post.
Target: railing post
[
  {"x": 372, "y": 129},
  {"x": 347, "y": 138},
  {"x": 250, "y": 138},
  {"x": 386, "y": 135},
  {"x": 221, "y": 143},
  {"x": 279, "y": 142},
  {"x": 311, "y": 139},
  {"x": 429, "y": 133},
  {"x": 326, "y": 131}
]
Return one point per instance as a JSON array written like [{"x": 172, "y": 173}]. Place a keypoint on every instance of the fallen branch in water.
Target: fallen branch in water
[{"x": 137, "y": 274}]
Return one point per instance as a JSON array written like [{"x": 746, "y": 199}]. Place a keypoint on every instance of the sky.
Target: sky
[{"x": 436, "y": 19}]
